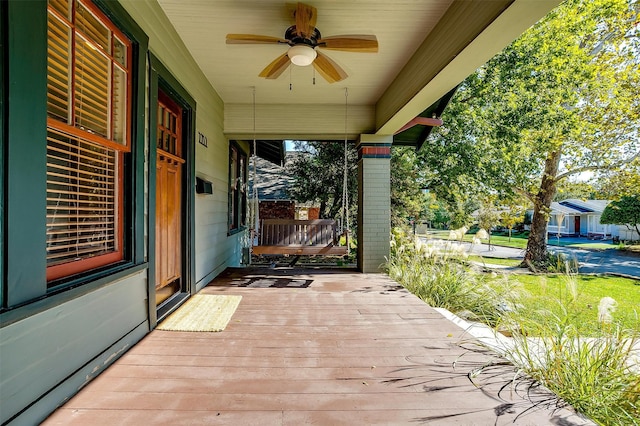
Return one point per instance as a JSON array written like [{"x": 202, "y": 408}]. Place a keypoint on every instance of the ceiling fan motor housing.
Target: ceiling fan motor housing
[{"x": 292, "y": 35}]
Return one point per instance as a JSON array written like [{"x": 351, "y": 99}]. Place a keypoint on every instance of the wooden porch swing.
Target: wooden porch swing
[
  {"x": 300, "y": 237},
  {"x": 297, "y": 237}
]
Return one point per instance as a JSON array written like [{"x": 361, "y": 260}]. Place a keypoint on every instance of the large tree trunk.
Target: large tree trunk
[
  {"x": 323, "y": 209},
  {"x": 536, "y": 254}
]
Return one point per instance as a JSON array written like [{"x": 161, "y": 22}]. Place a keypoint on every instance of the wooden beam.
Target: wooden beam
[
  {"x": 423, "y": 121},
  {"x": 467, "y": 36}
]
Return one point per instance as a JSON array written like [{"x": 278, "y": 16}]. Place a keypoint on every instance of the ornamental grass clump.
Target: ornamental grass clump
[
  {"x": 598, "y": 375},
  {"x": 434, "y": 272}
]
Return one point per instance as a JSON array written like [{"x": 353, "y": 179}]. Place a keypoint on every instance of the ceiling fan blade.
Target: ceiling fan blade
[
  {"x": 328, "y": 69},
  {"x": 306, "y": 17},
  {"x": 350, "y": 43},
  {"x": 276, "y": 68},
  {"x": 253, "y": 39}
]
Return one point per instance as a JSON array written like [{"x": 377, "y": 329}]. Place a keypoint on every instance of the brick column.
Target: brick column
[{"x": 374, "y": 201}]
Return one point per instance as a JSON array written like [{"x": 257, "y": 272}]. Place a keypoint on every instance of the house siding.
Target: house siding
[
  {"x": 214, "y": 249},
  {"x": 53, "y": 344},
  {"x": 43, "y": 351}
]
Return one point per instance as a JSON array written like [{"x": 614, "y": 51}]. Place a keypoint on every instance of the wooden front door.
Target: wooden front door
[
  {"x": 576, "y": 225},
  {"x": 169, "y": 164}
]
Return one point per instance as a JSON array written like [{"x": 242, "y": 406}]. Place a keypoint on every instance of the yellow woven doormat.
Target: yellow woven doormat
[{"x": 202, "y": 312}]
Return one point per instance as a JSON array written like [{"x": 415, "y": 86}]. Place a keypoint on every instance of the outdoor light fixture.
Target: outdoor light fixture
[{"x": 301, "y": 54}]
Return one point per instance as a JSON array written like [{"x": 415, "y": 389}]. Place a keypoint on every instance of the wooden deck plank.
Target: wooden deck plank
[{"x": 347, "y": 349}]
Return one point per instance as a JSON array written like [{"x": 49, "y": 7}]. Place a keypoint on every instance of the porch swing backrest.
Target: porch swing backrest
[{"x": 299, "y": 237}]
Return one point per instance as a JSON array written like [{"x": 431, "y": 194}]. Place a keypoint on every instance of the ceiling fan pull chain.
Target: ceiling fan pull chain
[
  {"x": 314, "y": 76},
  {"x": 290, "y": 85}
]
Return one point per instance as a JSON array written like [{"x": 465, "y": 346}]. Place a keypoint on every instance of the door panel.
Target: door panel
[{"x": 168, "y": 200}]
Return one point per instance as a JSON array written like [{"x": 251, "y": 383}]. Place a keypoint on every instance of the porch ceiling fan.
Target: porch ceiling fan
[{"x": 304, "y": 41}]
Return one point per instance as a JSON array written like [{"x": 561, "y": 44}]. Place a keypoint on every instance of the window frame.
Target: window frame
[
  {"x": 25, "y": 291},
  {"x": 74, "y": 129},
  {"x": 237, "y": 206}
]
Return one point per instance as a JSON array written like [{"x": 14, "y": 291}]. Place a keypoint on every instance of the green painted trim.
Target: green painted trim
[
  {"x": 161, "y": 79},
  {"x": 26, "y": 190},
  {"x": 151, "y": 197},
  {"x": 136, "y": 202},
  {"x": 51, "y": 301},
  {"x": 134, "y": 168},
  {"x": 24, "y": 220},
  {"x": 125, "y": 23},
  {"x": 379, "y": 145},
  {"x": 189, "y": 123},
  {"x": 170, "y": 85},
  {"x": 3, "y": 190}
]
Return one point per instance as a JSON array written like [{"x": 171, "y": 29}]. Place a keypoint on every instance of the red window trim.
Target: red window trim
[
  {"x": 104, "y": 19},
  {"x": 68, "y": 269}
]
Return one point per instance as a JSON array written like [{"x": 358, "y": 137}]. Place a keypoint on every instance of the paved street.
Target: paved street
[
  {"x": 591, "y": 261},
  {"x": 606, "y": 261}
]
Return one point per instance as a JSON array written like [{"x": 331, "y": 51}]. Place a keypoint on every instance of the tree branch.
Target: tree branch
[
  {"x": 529, "y": 196},
  {"x": 597, "y": 167}
]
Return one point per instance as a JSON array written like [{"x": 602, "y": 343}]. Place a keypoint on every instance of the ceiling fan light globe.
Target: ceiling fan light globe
[{"x": 302, "y": 55}]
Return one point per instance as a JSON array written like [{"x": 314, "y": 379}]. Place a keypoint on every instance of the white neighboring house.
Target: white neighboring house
[{"x": 582, "y": 218}]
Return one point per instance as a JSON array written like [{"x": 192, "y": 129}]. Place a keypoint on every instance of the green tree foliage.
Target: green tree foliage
[
  {"x": 436, "y": 212},
  {"x": 407, "y": 197},
  {"x": 511, "y": 215},
  {"x": 617, "y": 183},
  {"x": 570, "y": 188},
  {"x": 561, "y": 100},
  {"x": 317, "y": 169},
  {"x": 625, "y": 211}
]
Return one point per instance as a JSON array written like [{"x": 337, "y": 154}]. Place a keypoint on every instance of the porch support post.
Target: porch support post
[{"x": 374, "y": 201}]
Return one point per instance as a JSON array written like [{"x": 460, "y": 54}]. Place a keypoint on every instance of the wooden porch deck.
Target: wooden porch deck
[{"x": 324, "y": 347}]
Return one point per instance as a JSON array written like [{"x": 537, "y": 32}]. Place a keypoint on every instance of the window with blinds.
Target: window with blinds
[
  {"x": 88, "y": 88},
  {"x": 237, "y": 188}
]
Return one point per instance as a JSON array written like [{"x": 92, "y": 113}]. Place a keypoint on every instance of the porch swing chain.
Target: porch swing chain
[
  {"x": 345, "y": 193},
  {"x": 254, "y": 187}
]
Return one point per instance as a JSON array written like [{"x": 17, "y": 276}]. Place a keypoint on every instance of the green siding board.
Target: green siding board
[
  {"x": 41, "y": 408},
  {"x": 43, "y": 351},
  {"x": 26, "y": 152},
  {"x": 52, "y": 345}
]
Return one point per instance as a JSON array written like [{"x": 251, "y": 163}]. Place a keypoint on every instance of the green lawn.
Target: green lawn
[
  {"x": 520, "y": 241},
  {"x": 516, "y": 241},
  {"x": 495, "y": 260},
  {"x": 547, "y": 290},
  {"x": 500, "y": 240}
]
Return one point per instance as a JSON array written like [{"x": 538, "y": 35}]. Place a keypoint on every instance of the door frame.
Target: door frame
[{"x": 161, "y": 79}]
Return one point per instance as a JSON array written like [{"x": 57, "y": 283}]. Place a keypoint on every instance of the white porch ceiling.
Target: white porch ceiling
[{"x": 423, "y": 37}]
